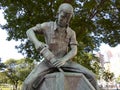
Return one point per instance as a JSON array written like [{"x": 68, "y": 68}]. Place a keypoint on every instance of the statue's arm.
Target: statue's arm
[
  {"x": 73, "y": 48},
  {"x": 32, "y": 37},
  {"x": 71, "y": 53},
  {"x": 61, "y": 61},
  {"x": 40, "y": 46}
]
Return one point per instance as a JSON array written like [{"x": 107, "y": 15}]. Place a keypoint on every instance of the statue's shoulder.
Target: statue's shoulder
[
  {"x": 49, "y": 23},
  {"x": 70, "y": 31},
  {"x": 45, "y": 25}
]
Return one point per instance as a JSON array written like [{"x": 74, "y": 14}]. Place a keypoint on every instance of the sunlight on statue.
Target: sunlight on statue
[{"x": 58, "y": 50}]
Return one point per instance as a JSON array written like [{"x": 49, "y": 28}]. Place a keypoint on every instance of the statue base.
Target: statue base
[{"x": 65, "y": 81}]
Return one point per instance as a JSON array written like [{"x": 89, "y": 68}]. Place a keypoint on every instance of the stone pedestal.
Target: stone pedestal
[{"x": 66, "y": 81}]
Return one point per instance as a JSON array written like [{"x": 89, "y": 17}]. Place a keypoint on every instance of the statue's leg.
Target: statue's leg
[
  {"x": 74, "y": 67},
  {"x": 41, "y": 69}
]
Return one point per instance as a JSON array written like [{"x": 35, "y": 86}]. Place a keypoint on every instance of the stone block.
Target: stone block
[{"x": 65, "y": 81}]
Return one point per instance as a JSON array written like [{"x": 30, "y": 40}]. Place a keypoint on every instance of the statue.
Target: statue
[{"x": 59, "y": 48}]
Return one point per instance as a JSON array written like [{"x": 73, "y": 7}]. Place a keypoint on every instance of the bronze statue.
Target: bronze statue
[{"x": 59, "y": 48}]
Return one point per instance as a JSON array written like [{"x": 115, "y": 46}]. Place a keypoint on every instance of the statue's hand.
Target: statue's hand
[
  {"x": 40, "y": 45},
  {"x": 59, "y": 62}
]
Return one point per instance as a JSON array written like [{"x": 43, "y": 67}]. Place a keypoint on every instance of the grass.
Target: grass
[{"x": 5, "y": 89}]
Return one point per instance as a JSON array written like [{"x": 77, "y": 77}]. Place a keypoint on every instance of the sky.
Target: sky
[
  {"x": 112, "y": 55},
  {"x": 7, "y": 48}
]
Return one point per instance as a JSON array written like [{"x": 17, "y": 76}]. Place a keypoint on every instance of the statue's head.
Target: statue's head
[{"x": 65, "y": 12}]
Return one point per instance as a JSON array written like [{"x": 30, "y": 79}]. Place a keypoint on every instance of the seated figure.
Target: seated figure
[{"x": 59, "y": 48}]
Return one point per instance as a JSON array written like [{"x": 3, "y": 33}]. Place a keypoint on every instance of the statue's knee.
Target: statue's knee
[
  {"x": 92, "y": 74},
  {"x": 26, "y": 83}
]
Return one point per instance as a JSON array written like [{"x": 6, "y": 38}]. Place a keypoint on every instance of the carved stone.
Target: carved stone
[{"x": 65, "y": 81}]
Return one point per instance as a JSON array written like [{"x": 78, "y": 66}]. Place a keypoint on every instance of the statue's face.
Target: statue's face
[{"x": 64, "y": 18}]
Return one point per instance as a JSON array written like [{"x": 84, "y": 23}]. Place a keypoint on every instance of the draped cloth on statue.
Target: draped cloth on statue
[
  {"x": 44, "y": 73},
  {"x": 65, "y": 81}
]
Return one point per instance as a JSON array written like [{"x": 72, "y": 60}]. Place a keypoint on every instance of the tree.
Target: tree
[
  {"x": 1, "y": 65},
  {"x": 3, "y": 78},
  {"x": 88, "y": 60},
  {"x": 118, "y": 79},
  {"x": 95, "y": 21},
  {"x": 16, "y": 71},
  {"x": 108, "y": 76}
]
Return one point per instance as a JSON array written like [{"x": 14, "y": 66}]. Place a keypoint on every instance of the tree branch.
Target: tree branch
[{"x": 96, "y": 9}]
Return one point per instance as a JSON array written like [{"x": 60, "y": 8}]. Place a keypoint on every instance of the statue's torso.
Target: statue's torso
[{"x": 58, "y": 41}]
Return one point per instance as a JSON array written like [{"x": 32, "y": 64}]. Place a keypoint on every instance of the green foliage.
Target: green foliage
[
  {"x": 2, "y": 66},
  {"x": 3, "y": 78},
  {"x": 118, "y": 79},
  {"x": 107, "y": 76},
  {"x": 94, "y": 23},
  {"x": 88, "y": 60},
  {"x": 16, "y": 71}
]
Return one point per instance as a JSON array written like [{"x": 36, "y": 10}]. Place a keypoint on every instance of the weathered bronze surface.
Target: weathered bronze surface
[
  {"x": 59, "y": 48},
  {"x": 66, "y": 81}
]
